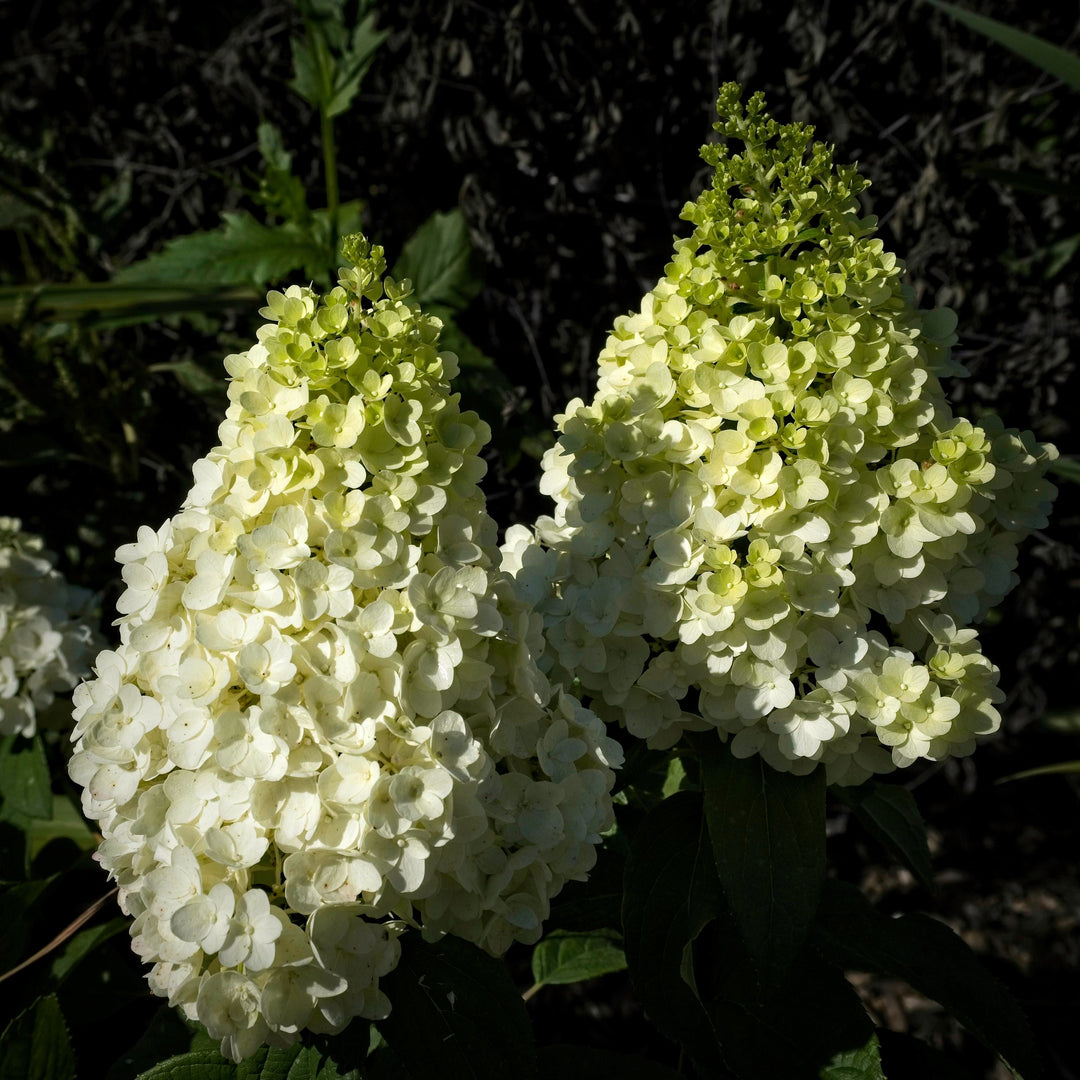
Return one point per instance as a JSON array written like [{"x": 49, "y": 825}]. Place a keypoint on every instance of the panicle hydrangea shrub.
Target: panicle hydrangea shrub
[
  {"x": 46, "y": 637},
  {"x": 325, "y": 721},
  {"x": 768, "y": 520}
]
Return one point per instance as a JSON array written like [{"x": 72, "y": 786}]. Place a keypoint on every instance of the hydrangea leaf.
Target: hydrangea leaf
[
  {"x": 196, "y": 1065},
  {"x": 457, "y": 1006},
  {"x": 279, "y": 191},
  {"x": 767, "y": 831},
  {"x": 18, "y": 906},
  {"x": 1054, "y": 60},
  {"x": 585, "y": 905},
  {"x": 331, "y": 61},
  {"x": 101, "y": 304},
  {"x": 273, "y": 1063},
  {"x": 469, "y": 354},
  {"x": 242, "y": 252},
  {"x": 670, "y": 894},
  {"x": 36, "y": 1046},
  {"x": 24, "y": 777},
  {"x": 935, "y": 961},
  {"x": 567, "y": 956},
  {"x": 863, "y": 1063},
  {"x": 810, "y": 1024},
  {"x": 436, "y": 259},
  {"x": 167, "y": 1035},
  {"x": 77, "y": 948},
  {"x": 890, "y": 814}
]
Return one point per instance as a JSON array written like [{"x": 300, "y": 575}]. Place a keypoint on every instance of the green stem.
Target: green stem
[{"x": 330, "y": 170}]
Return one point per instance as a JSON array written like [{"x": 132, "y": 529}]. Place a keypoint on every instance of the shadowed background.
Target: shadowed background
[{"x": 567, "y": 133}]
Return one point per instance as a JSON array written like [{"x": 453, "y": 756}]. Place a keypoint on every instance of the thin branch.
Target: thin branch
[{"x": 64, "y": 934}]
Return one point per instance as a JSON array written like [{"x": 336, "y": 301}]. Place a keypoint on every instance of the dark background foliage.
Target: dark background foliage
[{"x": 568, "y": 133}]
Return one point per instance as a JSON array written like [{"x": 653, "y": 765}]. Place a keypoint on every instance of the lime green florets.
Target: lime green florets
[{"x": 768, "y": 520}]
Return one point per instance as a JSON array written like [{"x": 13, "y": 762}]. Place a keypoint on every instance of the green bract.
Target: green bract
[
  {"x": 768, "y": 519},
  {"x": 325, "y": 721}
]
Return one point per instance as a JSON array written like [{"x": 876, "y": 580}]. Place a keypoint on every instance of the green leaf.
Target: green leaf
[
  {"x": 670, "y": 893},
  {"x": 313, "y": 65},
  {"x": 567, "y": 957},
  {"x": 279, "y": 191},
  {"x": 25, "y": 784},
  {"x": 1044, "y": 770},
  {"x": 1053, "y": 60},
  {"x": 299, "y": 1062},
  {"x": 889, "y": 813},
  {"x": 354, "y": 64},
  {"x": 323, "y": 79},
  {"x": 1067, "y": 468},
  {"x": 82, "y": 944},
  {"x": 36, "y": 1046},
  {"x": 768, "y": 839},
  {"x": 108, "y": 304},
  {"x": 861, "y": 1064},
  {"x": 935, "y": 961},
  {"x": 676, "y": 776},
  {"x": 194, "y": 377},
  {"x": 1059, "y": 254},
  {"x": 167, "y": 1035},
  {"x": 17, "y": 908},
  {"x": 436, "y": 259},
  {"x": 562, "y": 1062},
  {"x": 197, "y": 1065},
  {"x": 65, "y": 823},
  {"x": 581, "y": 905},
  {"x": 453, "y": 339},
  {"x": 812, "y": 1022},
  {"x": 456, "y": 1006},
  {"x": 272, "y": 148},
  {"x": 242, "y": 252}
]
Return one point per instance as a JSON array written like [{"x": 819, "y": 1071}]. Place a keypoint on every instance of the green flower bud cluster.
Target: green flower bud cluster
[
  {"x": 768, "y": 520},
  {"x": 46, "y": 639},
  {"x": 325, "y": 721}
]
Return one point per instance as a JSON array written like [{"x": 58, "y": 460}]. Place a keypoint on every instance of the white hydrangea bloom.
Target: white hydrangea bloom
[
  {"x": 325, "y": 720},
  {"x": 768, "y": 521},
  {"x": 46, "y": 637}
]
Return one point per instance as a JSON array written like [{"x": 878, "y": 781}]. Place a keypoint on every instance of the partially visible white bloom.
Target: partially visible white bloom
[{"x": 46, "y": 636}]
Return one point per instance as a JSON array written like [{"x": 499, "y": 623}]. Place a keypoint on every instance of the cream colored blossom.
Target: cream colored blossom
[
  {"x": 46, "y": 635},
  {"x": 770, "y": 490},
  {"x": 325, "y": 720}
]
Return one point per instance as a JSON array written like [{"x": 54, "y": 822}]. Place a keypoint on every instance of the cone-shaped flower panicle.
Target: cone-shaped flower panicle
[
  {"x": 325, "y": 721},
  {"x": 768, "y": 520},
  {"x": 47, "y": 640}
]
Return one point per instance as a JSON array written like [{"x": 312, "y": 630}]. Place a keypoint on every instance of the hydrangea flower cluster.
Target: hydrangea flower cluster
[
  {"x": 325, "y": 721},
  {"x": 46, "y": 637},
  {"x": 768, "y": 519}
]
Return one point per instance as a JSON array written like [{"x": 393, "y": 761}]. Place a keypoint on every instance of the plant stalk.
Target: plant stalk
[{"x": 330, "y": 170}]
